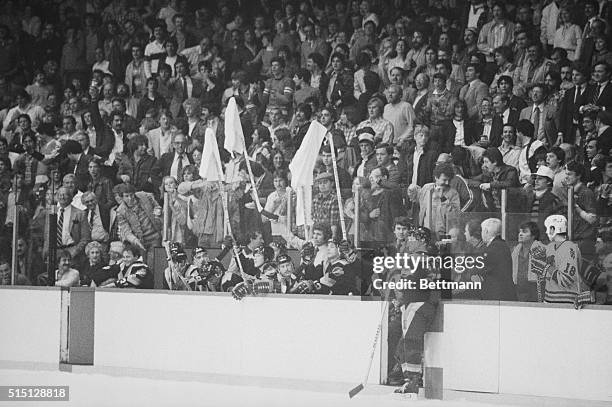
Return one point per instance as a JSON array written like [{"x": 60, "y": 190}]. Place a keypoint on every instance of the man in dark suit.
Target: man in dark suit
[
  {"x": 497, "y": 284},
  {"x": 568, "y": 114},
  {"x": 508, "y": 115},
  {"x": 603, "y": 92},
  {"x": 73, "y": 231},
  {"x": 98, "y": 218},
  {"x": 183, "y": 87},
  {"x": 172, "y": 163}
]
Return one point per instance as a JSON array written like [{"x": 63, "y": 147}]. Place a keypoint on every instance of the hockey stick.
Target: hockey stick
[
  {"x": 337, "y": 181},
  {"x": 355, "y": 390}
]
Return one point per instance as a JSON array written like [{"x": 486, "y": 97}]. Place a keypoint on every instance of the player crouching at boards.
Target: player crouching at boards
[
  {"x": 560, "y": 266},
  {"x": 134, "y": 272}
]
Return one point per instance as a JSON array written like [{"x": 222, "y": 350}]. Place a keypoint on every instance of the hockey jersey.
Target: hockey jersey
[{"x": 562, "y": 272}]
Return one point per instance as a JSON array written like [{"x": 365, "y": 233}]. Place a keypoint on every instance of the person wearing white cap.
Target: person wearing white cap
[
  {"x": 368, "y": 161},
  {"x": 539, "y": 201}
]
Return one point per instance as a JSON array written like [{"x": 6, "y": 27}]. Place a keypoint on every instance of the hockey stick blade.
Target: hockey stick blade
[{"x": 355, "y": 390}]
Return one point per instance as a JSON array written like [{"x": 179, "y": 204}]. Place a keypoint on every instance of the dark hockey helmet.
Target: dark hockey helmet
[
  {"x": 270, "y": 270},
  {"x": 283, "y": 258},
  {"x": 177, "y": 252},
  {"x": 421, "y": 233}
]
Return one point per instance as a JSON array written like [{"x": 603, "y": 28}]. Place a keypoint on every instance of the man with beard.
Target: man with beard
[
  {"x": 445, "y": 202},
  {"x": 383, "y": 206}
]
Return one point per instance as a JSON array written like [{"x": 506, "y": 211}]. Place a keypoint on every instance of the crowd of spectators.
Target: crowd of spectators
[{"x": 442, "y": 113}]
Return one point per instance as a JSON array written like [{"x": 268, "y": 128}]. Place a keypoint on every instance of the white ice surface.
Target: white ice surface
[{"x": 94, "y": 389}]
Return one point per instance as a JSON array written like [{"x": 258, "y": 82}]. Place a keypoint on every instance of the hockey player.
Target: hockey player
[
  {"x": 252, "y": 270},
  {"x": 179, "y": 272},
  {"x": 134, "y": 273},
  {"x": 209, "y": 271},
  {"x": 339, "y": 277},
  {"x": 286, "y": 273},
  {"x": 563, "y": 282},
  {"x": 417, "y": 307}
]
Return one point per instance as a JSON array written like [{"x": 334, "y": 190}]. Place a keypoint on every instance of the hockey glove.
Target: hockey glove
[
  {"x": 303, "y": 287},
  {"x": 240, "y": 291},
  {"x": 538, "y": 260},
  {"x": 262, "y": 287}
]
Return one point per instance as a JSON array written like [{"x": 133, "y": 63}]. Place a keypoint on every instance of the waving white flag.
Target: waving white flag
[
  {"x": 210, "y": 167},
  {"x": 234, "y": 138},
  {"x": 301, "y": 168}
]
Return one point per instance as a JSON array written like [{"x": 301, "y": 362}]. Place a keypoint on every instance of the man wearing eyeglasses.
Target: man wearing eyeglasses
[
  {"x": 172, "y": 163},
  {"x": 98, "y": 220}
]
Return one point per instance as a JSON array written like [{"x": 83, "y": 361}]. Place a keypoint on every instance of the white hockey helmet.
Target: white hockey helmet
[{"x": 555, "y": 224}]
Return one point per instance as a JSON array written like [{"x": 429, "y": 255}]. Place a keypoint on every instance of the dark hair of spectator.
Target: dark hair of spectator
[
  {"x": 306, "y": 109},
  {"x": 605, "y": 65},
  {"x": 533, "y": 229},
  {"x": 279, "y": 61},
  {"x": 473, "y": 226},
  {"x": 444, "y": 168},
  {"x": 63, "y": 254},
  {"x": 575, "y": 167},
  {"x": 128, "y": 247},
  {"x": 282, "y": 174},
  {"x": 494, "y": 155},
  {"x": 371, "y": 81},
  {"x": 136, "y": 142},
  {"x": 402, "y": 221},
  {"x": 506, "y": 52},
  {"x": 525, "y": 127},
  {"x": 324, "y": 228},
  {"x": 363, "y": 60},
  {"x": 303, "y": 74},
  {"x": 317, "y": 59},
  {"x": 507, "y": 79},
  {"x": 561, "y": 52},
  {"x": 447, "y": 64},
  {"x": 388, "y": 148},
  {"x": 559, "y": 153}
]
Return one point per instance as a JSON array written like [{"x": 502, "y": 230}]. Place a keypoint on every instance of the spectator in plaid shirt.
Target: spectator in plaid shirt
[{"x": 325, "y": 204}]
